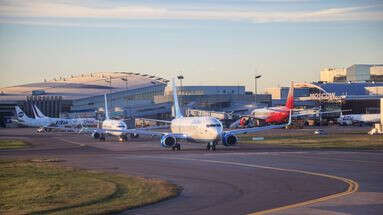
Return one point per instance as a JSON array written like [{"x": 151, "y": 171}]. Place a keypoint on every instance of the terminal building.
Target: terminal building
[
  {"x": 356, "y": 98},
  {"x": 130, "y": 95},
  {"x": 83, "y": 95},
  {"x": 354, "y": 73}
]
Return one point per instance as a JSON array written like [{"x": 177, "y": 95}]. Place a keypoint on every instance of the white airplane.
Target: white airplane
[
  {"x": 61, "y": 122},
  {"x": 358, "y": 118},
  {"x": 23, "y": 119},
  {"x": 44, "y": 123},
  {"x": 109, "y": 125},
  {"x": 197, "y": 129}
]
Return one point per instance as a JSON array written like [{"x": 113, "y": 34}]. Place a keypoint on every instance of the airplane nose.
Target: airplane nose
[{"x": 216, "y": 135}]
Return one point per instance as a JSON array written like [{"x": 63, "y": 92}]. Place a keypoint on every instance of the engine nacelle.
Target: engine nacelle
[
  {"x": 134, "y": 135},
  {"x": 96, "y": 135},
  {"x": 229, "y": 140},
  {"x": 168, "y": 141}
]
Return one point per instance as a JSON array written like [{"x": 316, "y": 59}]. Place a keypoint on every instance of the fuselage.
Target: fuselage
[
  {"x": 272, "y": 115},
  {"x": 198, "y": 129},
  {"x": 56, "y": 122},
  {"x": 114, "y": 125},
  {"x": 366, "y": 118}
]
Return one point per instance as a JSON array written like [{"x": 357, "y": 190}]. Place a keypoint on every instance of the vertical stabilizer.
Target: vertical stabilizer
[
  {"x": 106, "y": 108},
  {"x": 177, "y": 109},
  {"x": 34, "y": 112},
  {"x": 290, "y": 97},
  {"x": 20, "y": 114},
  {"x": 39, "y": 113}
]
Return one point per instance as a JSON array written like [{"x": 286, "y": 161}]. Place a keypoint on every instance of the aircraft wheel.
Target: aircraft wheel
[
  {"x": 208, "y": 147},
  {"x": 102, "y": 138},
  {"x": 178, "y": 147}
]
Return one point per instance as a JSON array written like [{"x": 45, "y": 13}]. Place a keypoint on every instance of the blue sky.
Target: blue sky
[{"x": 211, "y": 42}]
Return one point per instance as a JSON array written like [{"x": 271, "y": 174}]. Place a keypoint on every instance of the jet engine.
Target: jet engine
[
  {"x": 168, "y": 141},
  {"x": 134, "y": 135},
  {"x": 96, "y": 135},
  {"x": 229, "y": 139}
]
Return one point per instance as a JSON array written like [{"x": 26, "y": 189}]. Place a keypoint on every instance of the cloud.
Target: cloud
[{"x": 70, "y": 9}]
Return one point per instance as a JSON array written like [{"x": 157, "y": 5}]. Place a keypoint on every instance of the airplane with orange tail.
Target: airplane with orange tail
[
  {"x": 271, "y": 115},
  {"x": 276, "y": 114}
]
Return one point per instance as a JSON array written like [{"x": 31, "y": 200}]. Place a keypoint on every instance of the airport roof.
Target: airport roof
[
  {"x": 82, "y": 86},
  {"x": 348, "y": 88}
]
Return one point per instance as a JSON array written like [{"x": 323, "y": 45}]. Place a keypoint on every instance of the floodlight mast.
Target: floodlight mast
[
  {"x": 255, "y": 88},
  {"x": 180, "y": 77}
]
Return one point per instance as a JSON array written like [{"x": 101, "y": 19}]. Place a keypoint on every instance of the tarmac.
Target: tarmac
[{"x": 244, "y": 179}]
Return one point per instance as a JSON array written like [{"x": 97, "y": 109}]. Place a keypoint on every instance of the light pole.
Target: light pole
[
  {"x": 126, "y": 81},
  {"x": 256, "y": 88},
  {"x": 180, "y": 77},
  {"x": 126, "y": 86}
]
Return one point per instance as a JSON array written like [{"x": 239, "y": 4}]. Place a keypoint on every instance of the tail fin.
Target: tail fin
[
  {"x": 106, "y": 108},
  {"x": 290, "y": 97},
  {"x": 20, "y": 114},
  {"x": 39, "y": 113},
  {"x": 177, "y": 109},
  {"x": 34, "y": 112}
]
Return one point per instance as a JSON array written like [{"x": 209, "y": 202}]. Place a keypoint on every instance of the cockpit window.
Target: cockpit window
[{"x": 213, "y": 125}]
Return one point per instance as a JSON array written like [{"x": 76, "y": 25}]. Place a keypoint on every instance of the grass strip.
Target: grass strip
[
  {"x": 35, "y": 188},
  {"x": 352, "y": 140},
  {"x": 12, "y": 144}
]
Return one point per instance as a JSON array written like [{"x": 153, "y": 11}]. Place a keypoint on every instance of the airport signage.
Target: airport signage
[{"x": 326, "y": 97}]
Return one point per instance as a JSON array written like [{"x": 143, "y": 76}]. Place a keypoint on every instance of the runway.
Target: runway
[{"x": 245, "y": 179}]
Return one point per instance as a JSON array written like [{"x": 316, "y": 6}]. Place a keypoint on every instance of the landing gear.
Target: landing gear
[
  {"x": 176, "y": 147},
  {"x": 211, "y": 145},
  {"x": 123, "y": 138},
  {"x": 102, "y": 137}
]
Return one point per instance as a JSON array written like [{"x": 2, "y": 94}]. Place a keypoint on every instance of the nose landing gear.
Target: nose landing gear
[{"x": 211, "y": 145}]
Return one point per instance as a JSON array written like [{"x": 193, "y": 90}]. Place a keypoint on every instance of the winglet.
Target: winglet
[
  {"x": 106, "y": 108},
  {"x": 177, "y": 109}
]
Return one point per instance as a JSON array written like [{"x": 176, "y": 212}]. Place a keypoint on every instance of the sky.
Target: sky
[{"x": 222, "y": 42}]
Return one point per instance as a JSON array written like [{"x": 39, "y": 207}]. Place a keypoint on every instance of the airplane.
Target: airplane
[
  {"x": 23, "y": 119},
  {"x": 196, "y": 129},
  {"x": 60, "y": 122},
  {"x": 44, "y": 123},
  {"x": 358, "y": 119},
  {"x": 108, "y": 125},
  {"x": 269, "y": 115}
]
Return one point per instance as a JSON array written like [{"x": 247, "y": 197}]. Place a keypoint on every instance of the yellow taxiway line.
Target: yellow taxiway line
[{"x": 353, "y": 186}]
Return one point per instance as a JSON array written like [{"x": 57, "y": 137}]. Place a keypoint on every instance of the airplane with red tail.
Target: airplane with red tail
[{"x": 271, "y": 115}]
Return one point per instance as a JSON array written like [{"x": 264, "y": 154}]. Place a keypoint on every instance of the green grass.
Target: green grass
[
  {"x": 351, "y": 140},
  {"x": 12, "y": 144},
  {"x": 34, "y": 187}
]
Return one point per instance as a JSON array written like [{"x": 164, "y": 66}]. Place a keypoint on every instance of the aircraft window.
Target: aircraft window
[
  {"x": 213, "y": 125},
  {"x": 121, "y": 126}
]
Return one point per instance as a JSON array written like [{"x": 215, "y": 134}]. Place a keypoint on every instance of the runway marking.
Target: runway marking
[
  {"x": 336, "y": 159},
  {"x": 69, "y": 141},
  {"x": 298, "y": 154},
  {"x": 353, "y": 185}
]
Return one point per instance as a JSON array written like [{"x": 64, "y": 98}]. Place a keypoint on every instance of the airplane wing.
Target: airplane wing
[
  {"x": 257, "y": 129},
  {"x": 143, "y": 131},
  {"x": 146, "y": 131},
  {"x": 155, "y": 120},
  {"x": 316, "y": 113}
]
